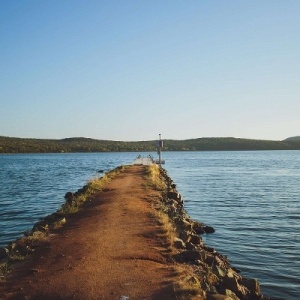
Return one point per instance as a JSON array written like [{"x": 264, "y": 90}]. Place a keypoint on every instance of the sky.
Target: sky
[{"x": 130, "y": 70}]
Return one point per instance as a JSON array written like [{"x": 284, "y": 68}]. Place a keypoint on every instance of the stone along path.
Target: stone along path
[{"x": 113, "y": 249}]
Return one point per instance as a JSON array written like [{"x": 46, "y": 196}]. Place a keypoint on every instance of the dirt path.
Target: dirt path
[{"x": 113, "y": 249}]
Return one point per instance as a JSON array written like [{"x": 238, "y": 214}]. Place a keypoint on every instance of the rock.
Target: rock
[
  {"x": 212, "y": 289},
  {"x": 179, "y": 243},
  {"x": 188, "y": 255},
  {"x": 208, "y": 229},
  {"x": 171, "y": 210},
  {"x": 82, "y": 190},
  {"x": 53, "y": 218},
  {"x": 200, "y": 263},
  {"x": 203, "y": 255},
  {"x": 233, "y": 274},
  {"x": 184, "y": 236},
  {"x": 198, "y": 228},
  {"x": 231, "y": 283},
  {"x": 3, "y": 254},
  {"x": 69, "y": 196},
  {"x": 38, "y": 234},
  {"x": 174, "y": 196},
  {"x": 221, "y": 272},
  {"x": 210, "y": 259},
  {"x": 204, "y": 285},
  {"x": 211, "y": 278},
  {"x": 23, "y": 249},
  {"x": 252, "y": 285},
  {"x": 236, "y": 270},
  {"x": 187, "y": 226},
  {"x": 218, "y": 297},
  {"x": 209, "y": 249},
  {"x": 231, "y": 294},
  {"x": 58, "y": 223},
  {"x": 190, "y": 246},
  {"x": 40, "y": 226},
  {"x": 195, "y": 239},
  {"x": 170, "y": 201}
]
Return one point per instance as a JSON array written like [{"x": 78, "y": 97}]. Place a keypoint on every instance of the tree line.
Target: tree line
[{"x": 24, "y": 145}]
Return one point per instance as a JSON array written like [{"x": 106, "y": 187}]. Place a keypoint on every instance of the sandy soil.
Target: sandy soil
[{"x": 113, "y": 249}]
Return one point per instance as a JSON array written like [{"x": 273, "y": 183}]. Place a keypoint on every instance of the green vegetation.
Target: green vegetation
[
  {"x": 77, "y": 200},
  {"x": 20, "y": 145},
  {"x": 154, "y": 179}
]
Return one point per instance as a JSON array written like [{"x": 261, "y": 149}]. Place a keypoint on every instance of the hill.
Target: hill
[
  {"x": 21, "y": 145},
  {"x": 293, "y": 139}
]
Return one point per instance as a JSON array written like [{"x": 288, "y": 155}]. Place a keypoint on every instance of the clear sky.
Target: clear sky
[{"x": 129, "y": 70}]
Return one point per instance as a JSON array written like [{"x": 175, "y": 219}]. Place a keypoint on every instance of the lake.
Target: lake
[{"x": 251, "y": 198}]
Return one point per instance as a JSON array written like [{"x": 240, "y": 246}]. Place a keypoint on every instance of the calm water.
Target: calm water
[{"x": 250, "y": 198}]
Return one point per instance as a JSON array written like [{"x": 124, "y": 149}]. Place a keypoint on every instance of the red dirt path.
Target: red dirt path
[{"x": 114, "y": 247}]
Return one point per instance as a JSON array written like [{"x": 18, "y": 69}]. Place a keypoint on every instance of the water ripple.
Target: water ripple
[{"x": 250, "y": 198}]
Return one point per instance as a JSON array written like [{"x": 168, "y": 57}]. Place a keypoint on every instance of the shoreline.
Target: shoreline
[
  {"x": 31, "y": 145},
  {"x": 208, "y": 273}
]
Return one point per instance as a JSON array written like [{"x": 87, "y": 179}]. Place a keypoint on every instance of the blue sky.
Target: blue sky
[{"x": 129, "y": 70}]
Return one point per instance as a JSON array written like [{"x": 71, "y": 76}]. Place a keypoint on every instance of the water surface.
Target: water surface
[{"x": 250, "y": 198}]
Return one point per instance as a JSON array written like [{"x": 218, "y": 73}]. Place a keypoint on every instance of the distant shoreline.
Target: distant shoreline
[{"x": 84, "y": 145}]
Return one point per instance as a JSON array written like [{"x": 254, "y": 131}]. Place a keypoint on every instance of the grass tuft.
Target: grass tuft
[
  {"x": 3, "y": 271},
  {"x": 188, "y": 288},
  {"x": 154, "y": 179},
  {"x": 93, "y": 186}
]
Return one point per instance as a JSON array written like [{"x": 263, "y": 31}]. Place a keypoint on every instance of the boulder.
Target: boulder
[
  {"x": 233, "y": 274},
  {"x": 195, "y": 239},
  {"x": 231, "y": 294},
  {"x": 208, "y": 229},
  {"x": 185, "y": 236},
  {"x": 210, "y": 259},
  {"x": 232, "y": 284},
  {"x": 190, "y": 246},
  {"x": 174, "y": 196},
  {"x": 186, "y": 225},
  {"x": 178, "y": 243},
  {"x": 83, "y": 190},
  {"x": 171, "y": 210},
  {"x": 3, "y": 254},
  {"x": 209, "y": 249},
  {"x": 221, "y": 272},
  {"x": 252, "y": 285},
  {"x": 69, "y": 196},
  {"x": 198, "y": 227},
  {"x": 188, "y": 255},
  {"x": 53, "y": 218},
  {"x": 40, "y": 226}
]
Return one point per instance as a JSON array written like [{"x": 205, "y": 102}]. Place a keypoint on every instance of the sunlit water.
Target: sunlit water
[{"x": 250, "y": 198}]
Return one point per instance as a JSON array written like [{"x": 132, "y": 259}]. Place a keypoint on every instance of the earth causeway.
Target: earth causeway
[{"x": 113, "y": 248}]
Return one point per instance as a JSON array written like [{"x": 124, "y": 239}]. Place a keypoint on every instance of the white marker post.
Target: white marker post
[{"x": 159, "y": 147}]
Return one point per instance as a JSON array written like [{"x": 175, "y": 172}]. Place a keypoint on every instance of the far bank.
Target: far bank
[{"x": 80, "y": 145}]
